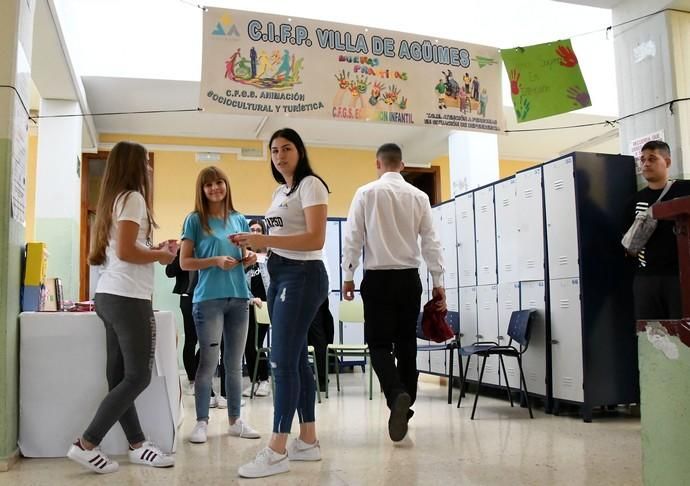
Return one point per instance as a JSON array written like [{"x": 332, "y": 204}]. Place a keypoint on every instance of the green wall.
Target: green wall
[
  {"x": 63, "y": 262},
  {"x": 11, "y": 247},
  {"x": 665, "y": 411}
]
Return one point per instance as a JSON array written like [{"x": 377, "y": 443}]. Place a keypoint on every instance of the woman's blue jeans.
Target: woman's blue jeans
[
  {"x": 227, "y": 318},
  {"x": 298, "y": 287}
]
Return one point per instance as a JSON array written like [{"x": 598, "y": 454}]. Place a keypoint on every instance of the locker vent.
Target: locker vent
[
  {"x": 532, "y": 304},
  {"x": 563, "y": 260},
  {"x": 506, "y": 203},
  {"x": 568, "y": 382},
  {"x": 509, "y": 304},
  {"x": 559, "y": 184},
  {"x": 483, "y": 208},
  {"x": 531, "y": 264},
  {"x": 565, "y": 303},
  {"x": 528, "y": 193},
  {"x": 508, "y": 267}
]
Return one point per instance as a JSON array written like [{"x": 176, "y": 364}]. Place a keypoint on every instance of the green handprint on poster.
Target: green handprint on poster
[{"x": 545, "y": 80}]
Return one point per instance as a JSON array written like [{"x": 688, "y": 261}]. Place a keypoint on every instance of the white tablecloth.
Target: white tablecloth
[{"x": 62, "y": 381}]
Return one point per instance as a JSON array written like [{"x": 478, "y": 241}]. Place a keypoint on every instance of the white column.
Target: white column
[
  {"x": 652, "y": 68},
  {"x": 58, "y": 190},
  {"x": 473, "y": 160}
]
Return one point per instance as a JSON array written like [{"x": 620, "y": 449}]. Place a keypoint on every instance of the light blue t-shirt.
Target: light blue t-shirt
[{"x": 215, "y": 283}]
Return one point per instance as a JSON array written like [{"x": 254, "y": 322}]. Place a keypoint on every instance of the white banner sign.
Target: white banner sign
[{"x": 263, "y": 64}]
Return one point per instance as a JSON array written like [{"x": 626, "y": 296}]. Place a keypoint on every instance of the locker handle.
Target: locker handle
[
  {"x": 500, "y": 338},
  {"x": 554, "y": 341},
  {"x": 479, "y": 336}
]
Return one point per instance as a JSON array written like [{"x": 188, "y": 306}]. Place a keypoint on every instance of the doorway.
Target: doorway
[{"x": 427, "y": 180}]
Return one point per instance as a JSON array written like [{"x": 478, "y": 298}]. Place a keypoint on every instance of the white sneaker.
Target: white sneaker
[
  {"x": 266, "y": 463},
  {"x": 263, "y": 390},
  {"x": 213, "y": 402},
  {"x": 247, "y": 392},
  {"x": 92, "y": 459},
  {"x": 199, "y": 434},
  {"x": 298, "y": 450},
  {"x": 242, "y": 429},
  {"x": 150, "y": 455},
  {"x": 222, "y": 402},
  {"x": 243, "y": 403}
]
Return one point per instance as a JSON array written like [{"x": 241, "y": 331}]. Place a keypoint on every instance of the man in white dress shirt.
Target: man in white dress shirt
[{"x": 387, "y": 218}]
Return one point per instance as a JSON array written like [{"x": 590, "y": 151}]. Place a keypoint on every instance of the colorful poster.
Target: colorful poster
[
  {"x": 263, "y": 64},
  {"x": 545, "y": 80}
]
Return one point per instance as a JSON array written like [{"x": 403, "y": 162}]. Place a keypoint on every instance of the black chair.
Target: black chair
[
  {"x": 519, "y": 331},
  {"x": 449, "y": 346}
]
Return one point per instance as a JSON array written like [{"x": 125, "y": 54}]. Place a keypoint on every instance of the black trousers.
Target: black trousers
[
  {"x": 320, "y": 335},
  {"x": 657, "y": 297},
  {"x": 190, "y": 356},
  {"x": 392, "y": 299},
  {"x": 250, "y": 353}
]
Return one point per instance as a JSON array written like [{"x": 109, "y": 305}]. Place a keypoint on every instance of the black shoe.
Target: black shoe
[
  {"x": 397, "y": 423},
  {"x": 410, "y": 414}
]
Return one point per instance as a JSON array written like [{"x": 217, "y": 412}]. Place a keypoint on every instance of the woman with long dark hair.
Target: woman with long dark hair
[{"x": 297, "y": 232}]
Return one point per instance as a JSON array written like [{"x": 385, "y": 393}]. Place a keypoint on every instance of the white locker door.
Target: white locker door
[
  {"x": 566, "y": 340},
  {"x": 506, "y": 231},
  {"x": 359, "y": 271},
  {"x": 449, "y": 245},
  {"x": 333, "y": 306},
  {"x": 425, "y": 278},
  {"x": 508, "y": 301},
  {"x": 485, "y": 224},
  {"x": 468, "y": 324},
  {"x": 487, "y": 327},
  {"x": 332, "y": 251},
  {"x": 464, "y": 219},
  {"x": 561, "y": 219},
  {"x": 530, "y": 212},
  {"x": 422, "y": 356},
  {"x": 532, "y": 296}
]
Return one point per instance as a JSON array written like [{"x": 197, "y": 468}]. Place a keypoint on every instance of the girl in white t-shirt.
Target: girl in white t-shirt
[
  {"x": 297, "y": 232},
  {"x": 122, "y": 246}
]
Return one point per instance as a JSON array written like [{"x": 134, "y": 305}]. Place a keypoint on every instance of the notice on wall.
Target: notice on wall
[
  {"x": 260, "y": 64},
  {"x": 545, "y": 80},
  {"x": 636, "y": 144},
  {"x": 20, "y": 139}
]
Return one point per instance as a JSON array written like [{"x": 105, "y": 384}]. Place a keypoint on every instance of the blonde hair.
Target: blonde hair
[
  {"x": 126, "y": 171},
  {"x": 201, "y": 206}
]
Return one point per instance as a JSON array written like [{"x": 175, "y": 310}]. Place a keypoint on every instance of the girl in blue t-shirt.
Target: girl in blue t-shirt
[{"x": 221, "y": 297}]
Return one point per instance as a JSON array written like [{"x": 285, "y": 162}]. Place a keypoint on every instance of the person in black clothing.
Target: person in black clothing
[
  {"x": 656, "y": 287},
  {"x": 257, "y": 277},
  {"x": 184, "y": 287}
]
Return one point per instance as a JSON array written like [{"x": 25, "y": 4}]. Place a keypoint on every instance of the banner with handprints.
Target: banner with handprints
[
  {"x": 262, "y": 64},
  {"x": 545, "y": 80}
]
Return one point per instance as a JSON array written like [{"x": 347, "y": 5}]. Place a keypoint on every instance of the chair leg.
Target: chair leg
[
  {"x": 371, "y": 381},
  {"x": 337, "y": 371},
  {"x": 462, "y": 392},
  {"x": 463, "y": 378},
  {"x": 524, "y": 387},
  {"x": 328, "y": 354},
  {"x": 256, "y": 370},
  {"x": 316, "y": 376},
  {"x": 479, "y": 385},
  {"x": 503, "y": 366},
  {"x": 450, "y": 378}
]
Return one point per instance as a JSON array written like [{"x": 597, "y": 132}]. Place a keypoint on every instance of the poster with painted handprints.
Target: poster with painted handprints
[
  {"x": 545, "y": 80},
  {"x": 263, "y": 64}
]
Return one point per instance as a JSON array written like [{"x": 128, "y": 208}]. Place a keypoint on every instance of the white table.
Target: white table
[{"x": 62, "y": 381}]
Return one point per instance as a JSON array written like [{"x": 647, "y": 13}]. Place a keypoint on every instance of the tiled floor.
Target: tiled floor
[{"x": 501, "y": 447}]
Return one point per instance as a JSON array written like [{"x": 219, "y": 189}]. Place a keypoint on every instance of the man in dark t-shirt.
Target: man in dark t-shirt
[{"x": 656, "y": 287}]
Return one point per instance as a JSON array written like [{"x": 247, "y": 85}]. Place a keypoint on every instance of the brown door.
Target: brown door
[{"x": 93, "y": 168}]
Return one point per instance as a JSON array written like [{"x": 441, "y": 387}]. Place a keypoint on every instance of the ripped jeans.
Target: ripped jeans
[
  {"x": 298, "y": 287},
  {"x": 227, "y": 318}
]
